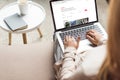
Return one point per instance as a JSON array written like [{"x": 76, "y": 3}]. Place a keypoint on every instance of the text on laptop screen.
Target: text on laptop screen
[{"x": 69, "y": 13}]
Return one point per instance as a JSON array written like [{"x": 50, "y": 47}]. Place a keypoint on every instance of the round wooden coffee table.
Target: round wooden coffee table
[{"x": 34, "y": 18}]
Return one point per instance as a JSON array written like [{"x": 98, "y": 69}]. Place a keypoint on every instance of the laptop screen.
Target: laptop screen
[{"x": 69, "y": 13}]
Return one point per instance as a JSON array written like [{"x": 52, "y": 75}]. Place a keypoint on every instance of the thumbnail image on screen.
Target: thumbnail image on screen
[{"x": 76, "y": 22}]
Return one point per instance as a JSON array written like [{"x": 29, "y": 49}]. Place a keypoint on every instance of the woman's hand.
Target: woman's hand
[
  {"x": 69, "y": 41},
  {"x": 94, "y": 37}
]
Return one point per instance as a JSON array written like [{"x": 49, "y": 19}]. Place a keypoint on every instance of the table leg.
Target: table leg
[
  {"x": 39, "y": 32},
  {"x": 10, "y": 38},
  {"x": 24, "y": 38}
]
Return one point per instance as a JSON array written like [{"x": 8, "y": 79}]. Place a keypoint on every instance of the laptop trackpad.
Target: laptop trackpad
[{"x": 85, "y": 45}]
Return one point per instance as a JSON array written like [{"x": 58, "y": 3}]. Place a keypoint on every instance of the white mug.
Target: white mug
[{"x": 23, "y": 7}]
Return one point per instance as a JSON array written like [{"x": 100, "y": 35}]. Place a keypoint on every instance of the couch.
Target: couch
[{"x": 27, "y": 62}]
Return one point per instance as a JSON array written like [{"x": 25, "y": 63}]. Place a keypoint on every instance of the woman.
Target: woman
[
  {"x": 68, "y": 70},
  {"x": 108, "y": 1},
  {"x": 110, "y": 70}
]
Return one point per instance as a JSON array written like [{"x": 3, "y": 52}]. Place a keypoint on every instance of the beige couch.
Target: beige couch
[{"x": 27, "y": 62}]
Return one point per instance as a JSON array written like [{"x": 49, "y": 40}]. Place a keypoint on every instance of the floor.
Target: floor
[{"x": 47, "y": 27}]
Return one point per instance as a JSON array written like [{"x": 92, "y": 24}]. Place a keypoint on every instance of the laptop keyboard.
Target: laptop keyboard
[{"x": 81, "y": 32}]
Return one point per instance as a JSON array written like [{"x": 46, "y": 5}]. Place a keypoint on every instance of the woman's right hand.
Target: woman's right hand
[{"x": 94, "y": 37}]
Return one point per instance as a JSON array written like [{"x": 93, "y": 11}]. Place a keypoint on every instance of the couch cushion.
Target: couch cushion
[{"x": 27, "y": 62}]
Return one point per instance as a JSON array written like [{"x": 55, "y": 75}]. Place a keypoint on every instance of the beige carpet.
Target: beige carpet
[{"x": 47, "y": 28}]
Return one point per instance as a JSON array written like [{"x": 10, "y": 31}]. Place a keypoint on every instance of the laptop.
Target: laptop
[{"x": 75, "y": 18}]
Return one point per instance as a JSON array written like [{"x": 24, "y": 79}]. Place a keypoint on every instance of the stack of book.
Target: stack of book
[{"x": 15, "y": 22}]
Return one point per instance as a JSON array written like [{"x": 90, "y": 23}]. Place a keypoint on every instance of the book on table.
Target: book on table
[{"x": 15, "y": 22}]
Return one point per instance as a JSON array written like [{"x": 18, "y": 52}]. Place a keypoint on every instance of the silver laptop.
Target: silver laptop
[{"x": 75, "y": 18}]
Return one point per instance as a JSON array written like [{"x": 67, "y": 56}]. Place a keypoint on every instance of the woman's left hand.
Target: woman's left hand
[{"x": 70, "y": 41}]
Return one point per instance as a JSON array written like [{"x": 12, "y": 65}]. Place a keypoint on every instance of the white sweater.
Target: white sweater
[{"x": 80, "y": 66}]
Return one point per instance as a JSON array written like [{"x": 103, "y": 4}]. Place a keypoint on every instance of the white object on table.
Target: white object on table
[
  {"x": 22, "y": 1},
  {"x": 23, "y": 6}
]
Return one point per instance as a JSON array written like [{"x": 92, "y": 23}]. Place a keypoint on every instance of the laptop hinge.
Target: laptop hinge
[{"x": 73, "y": 27}]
